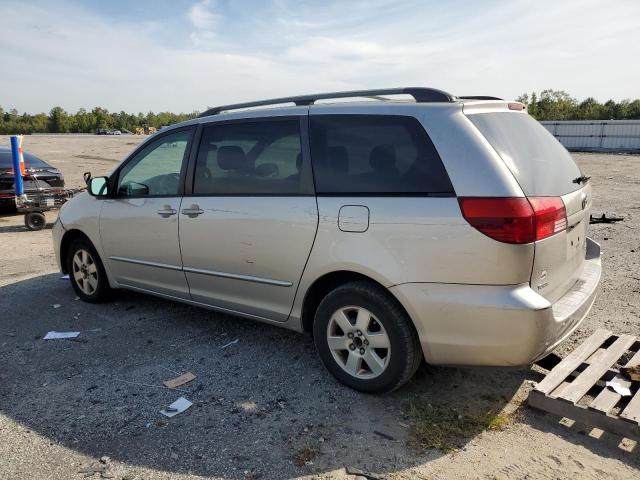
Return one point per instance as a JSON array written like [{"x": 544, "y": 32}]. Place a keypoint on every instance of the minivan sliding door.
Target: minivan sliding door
[{"x": 248, "y": 227}]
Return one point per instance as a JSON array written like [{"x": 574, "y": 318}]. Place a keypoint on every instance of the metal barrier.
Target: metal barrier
[{"x": 597, "y": 135}]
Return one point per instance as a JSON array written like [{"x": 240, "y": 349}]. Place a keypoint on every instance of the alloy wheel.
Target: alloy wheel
[
  {"x": 358, "y": 342},
  {"x": 85, "y": 271}
]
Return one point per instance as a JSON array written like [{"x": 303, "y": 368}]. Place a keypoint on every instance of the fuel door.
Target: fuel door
[{"x": 353, "y": 218}]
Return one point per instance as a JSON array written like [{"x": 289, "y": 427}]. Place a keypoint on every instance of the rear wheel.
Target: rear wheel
[
  {"x": 35, "y": 221},
  {"x": 365, "y": 339},
  {"x": 86, "y": 272}
]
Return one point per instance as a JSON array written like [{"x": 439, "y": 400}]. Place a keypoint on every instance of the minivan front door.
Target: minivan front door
[
  {"x": 139, "y": 227},
  {"x": 247, "y": 229}
]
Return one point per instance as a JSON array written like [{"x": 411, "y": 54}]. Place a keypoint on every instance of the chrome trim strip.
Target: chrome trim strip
[
  {"x": 145, "y": 263},
  {"x": 236, "y": 276}
]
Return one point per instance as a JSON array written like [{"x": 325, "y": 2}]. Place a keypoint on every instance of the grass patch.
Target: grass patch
[
  {"x": 304, "y": 455},
  {"x": 444, "y": 427}
]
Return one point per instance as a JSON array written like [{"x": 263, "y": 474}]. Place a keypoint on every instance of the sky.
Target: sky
[{"x": 185, "y": 55}]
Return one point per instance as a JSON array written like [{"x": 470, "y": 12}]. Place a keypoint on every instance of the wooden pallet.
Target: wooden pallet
[{"x": 575, "y": 388}]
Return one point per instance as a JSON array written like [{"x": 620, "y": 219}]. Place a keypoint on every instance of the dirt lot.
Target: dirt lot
[{"x": 265, "y": 407}]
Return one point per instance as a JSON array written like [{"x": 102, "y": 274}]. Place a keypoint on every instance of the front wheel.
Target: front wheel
[
  {"x": 365, "y": 339},
  {"x": 86, "y": 272}
]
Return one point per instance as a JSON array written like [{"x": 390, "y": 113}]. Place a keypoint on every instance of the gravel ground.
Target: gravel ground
[{"x": 263, "y": 405}]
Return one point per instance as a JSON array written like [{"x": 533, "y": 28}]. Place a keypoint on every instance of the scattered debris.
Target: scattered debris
[
  {"x": 620, "y": 386},
  {"x": 604, "y": 219},
  {"x": 181, "y": 380},
  {"x": 361, "y": 473},
  {"x": 179, "y": 406},
  {"x": 632, "y": 372},
  {"x": 383, "y": 435},
  {"x": 56, "y": 305},
  {"x": 305, "y": 455},
  {"x": 233, "y": 342},
  {"x": 60, "y": 335},
  {"x": 101, "y": 468},
  {"x": 140, "y": 384}
]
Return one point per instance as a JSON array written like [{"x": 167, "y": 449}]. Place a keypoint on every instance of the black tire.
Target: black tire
[
  {"x": 405, "y": 352},
  {"x": 101, "y": 292},
  {"x": 35, "y": 221}
]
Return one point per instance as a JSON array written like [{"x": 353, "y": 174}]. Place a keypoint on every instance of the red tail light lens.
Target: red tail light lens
[
  {"x": 515, "y": 220},
  {"x": 551, "y": 216}
]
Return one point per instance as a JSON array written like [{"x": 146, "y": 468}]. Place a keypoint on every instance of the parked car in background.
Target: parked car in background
[
  {"x": 41, "y": 178},
  {"x": 447, "y": 228},
  {"x": 108, "y": 131}
]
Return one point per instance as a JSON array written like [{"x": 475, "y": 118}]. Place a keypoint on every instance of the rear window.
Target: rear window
[
  {"x": 375, "y": 154},
  {"x": 539, "y": 163},
  {"x": 30, "y": 161}
]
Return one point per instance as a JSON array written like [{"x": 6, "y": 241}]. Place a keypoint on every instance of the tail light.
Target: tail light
[{"x": 515, "y": 219}]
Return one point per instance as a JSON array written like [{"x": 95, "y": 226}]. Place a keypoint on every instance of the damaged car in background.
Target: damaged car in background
[{"x": 40, "y": 179}]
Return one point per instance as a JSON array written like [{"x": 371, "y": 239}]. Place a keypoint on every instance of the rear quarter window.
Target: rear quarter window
[
  {"x": 375, "y": 154},
  {"x": 539, "y": 163}
]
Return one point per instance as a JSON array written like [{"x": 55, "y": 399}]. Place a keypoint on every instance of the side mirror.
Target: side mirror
[{"x": 98, "y": 186}]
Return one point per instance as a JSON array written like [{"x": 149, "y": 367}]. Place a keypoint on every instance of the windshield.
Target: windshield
[
  {"x": 30, "y": 161},
  {"x": 539, "y": 163}
]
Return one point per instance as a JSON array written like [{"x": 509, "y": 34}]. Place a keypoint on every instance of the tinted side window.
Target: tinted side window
[
  {"x": 252, "y": 158},
  {"x": 156, "y": 169},
  {"x": 375, "y": 154},
  {"x": 540, "y": 164}
]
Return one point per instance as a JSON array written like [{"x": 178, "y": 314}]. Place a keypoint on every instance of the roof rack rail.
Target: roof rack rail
[
  {"x": 479, "y": 97},
  {"x": 421, "y": 95}
]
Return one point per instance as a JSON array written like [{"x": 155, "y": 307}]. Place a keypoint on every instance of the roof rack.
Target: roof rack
[
  {"x": 421, "y": 95},
  {"x": 479, "y": 97}
]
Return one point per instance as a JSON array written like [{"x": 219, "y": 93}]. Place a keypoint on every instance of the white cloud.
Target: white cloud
[
  {"x": 72, "y": 57},
  {"x": 201, "y": 15}
]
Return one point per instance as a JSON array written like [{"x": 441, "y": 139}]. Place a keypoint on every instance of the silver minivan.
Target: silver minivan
[{"x": 430, "y": 226}]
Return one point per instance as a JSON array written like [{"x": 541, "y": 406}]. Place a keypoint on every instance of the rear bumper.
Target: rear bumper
[{"x": 497, "y": 325}]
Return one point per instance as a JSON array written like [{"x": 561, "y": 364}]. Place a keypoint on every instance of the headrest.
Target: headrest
[
  {"x": 383, "y": 158},
  {"x": 232, "y": 157},
  {"x": 338, "y": 159},
  {"x": 267, "y": 170}
]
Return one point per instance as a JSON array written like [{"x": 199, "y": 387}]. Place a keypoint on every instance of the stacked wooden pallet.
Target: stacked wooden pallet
[{"x": 576, "y": 387}]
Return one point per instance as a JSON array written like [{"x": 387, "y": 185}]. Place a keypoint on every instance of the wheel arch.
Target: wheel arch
[
  {"x": 330, "y": 281},
  {"x": 67, "y": 239}
]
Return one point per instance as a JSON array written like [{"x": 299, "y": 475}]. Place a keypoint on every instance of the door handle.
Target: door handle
[
  {"x": 166, "y": 211},
  {"x": 192, "y": 211}
]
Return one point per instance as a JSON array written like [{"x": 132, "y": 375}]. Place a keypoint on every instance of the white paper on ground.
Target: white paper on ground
[
  {"x": 64, "y": 277},
  {"x": 58, "y": 335},
  {"x": 180, "y": 405},
  {"x": 618, "y": 385}
]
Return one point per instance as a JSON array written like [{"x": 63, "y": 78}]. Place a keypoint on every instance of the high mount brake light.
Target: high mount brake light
[{"x": 515, "y": 219}]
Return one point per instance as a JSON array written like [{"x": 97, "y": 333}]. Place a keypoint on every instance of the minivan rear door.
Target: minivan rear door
[
  {"x": 249, "y": 222},
  {"x": 543, "y": 168}
]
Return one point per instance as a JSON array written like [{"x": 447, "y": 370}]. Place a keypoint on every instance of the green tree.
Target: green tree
[{"x": 59, "y": 121}]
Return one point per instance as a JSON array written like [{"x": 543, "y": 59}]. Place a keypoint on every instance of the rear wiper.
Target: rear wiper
[{"x": 581, "y": 179}]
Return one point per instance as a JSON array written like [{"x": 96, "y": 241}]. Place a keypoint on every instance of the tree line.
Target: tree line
[
  {"x": 559, "y": 105},
  {"x": 548, "y": 105},
  {"x": 83, "y": 121}
]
